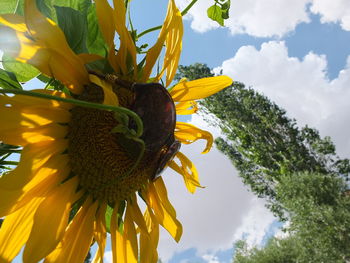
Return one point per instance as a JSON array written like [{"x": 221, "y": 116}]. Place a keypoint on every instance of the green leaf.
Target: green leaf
[
  {"x": 215, "y": 13},
  {"x": 95, "y": 42},
  {"x": 226, "y": 5},
  {"x": 8, "y": 6},
  {"x": 8, "y": 80},
  {"x": 108, "y": 217},
  {"x": 43, "y": 78},
  {"x": 20, "y": 8},
  {"x": 23, "y": 72},
  {"x": 73, "y": 24},
  {"x": 225, "y": 8},
  {"x": 225, "y": 14},
  {"x": 79, "y": 5},
  {"x": 46, "y": 8}
]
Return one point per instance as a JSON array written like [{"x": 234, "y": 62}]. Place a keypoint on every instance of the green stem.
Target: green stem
[
  {"x": 81, "y": 103},
  {"x": 148, "y": 31},
  {"x": 184, "y": 12},
  {"x": 9, "y": 163}
]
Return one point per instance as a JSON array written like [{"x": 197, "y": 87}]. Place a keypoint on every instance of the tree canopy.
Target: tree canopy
[{"x": 262, "y": 142}]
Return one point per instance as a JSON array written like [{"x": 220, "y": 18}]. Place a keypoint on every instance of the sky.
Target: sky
[{"x": 295, "y": 52}]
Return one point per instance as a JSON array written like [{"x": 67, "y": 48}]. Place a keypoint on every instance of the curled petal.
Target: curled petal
[
  {"x": 154, "y": 52},
  {"x": 200, "y": 88},
  {"x": 187, "y": 170},
  {"x": 186, "y": 107},
  {"x": 109, "y": 96},
  {"x": 164, "y": 211},
  {"x": 173, "y": 44},
  {"x": 187, "y": 133}
]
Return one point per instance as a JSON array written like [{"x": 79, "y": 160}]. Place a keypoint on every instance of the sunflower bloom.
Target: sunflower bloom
[{"x": 77, "y": 180}]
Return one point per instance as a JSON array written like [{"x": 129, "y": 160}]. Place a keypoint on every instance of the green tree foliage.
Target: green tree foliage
[
  {"x": 319, "y": 208},
  {"x": 319, "y": 230},
  {"x": 275, "y": 251},
  {"x": 261, "y": 141}
]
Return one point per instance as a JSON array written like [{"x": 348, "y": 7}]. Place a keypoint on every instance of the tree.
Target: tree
[
  {"x": 275, "y": 251},
  {"x": 319, "y": 223},
  {"x": 261, "y": 141},
  {"x": 319, "y": 211}
]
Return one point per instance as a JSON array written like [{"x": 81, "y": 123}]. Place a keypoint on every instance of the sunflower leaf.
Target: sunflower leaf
[
  {"x": 95, "y": 42},
  {"x": 46, "y": 8},
  {"x": 8, "y": 80},
  {"x": 73, "y": 24},
  {"x": 23, "y": 72},
  {"x": 79, "y": 5},
  {"x": 8, "y": 6}
]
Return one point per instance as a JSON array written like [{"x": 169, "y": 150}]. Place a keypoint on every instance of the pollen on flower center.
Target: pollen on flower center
[{"x": 97, "y": 157}]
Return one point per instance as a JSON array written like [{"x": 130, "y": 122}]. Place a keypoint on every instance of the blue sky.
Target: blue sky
[{"x": 296, "y": 53}]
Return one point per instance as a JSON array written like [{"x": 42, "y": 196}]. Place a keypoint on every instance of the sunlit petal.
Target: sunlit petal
[{"x": 199, "y": 89}]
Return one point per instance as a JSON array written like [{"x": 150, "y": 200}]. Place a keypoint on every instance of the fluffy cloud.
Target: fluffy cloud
[
  {"x": 299, "y": 86},
  {"x": 210, "y": 258},
  {"x": 333, "y": 11},
  {"x": 270, "y": 17},
  {"x": 213, "y": 216}
]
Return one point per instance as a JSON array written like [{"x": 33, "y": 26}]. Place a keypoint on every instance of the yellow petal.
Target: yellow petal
[
  {"x": 48, "y": 32},
  {"x": 117, "y": 240},
  {"x": 187, "y": 133},
  {"x": 106, "y": 21},
  {"x": 100, "y": 233},
  {"x": 78, "y": 237},
  {"x": 22, "y": 101},
  {"x": 186, "y": 107},
  {"x": 33, "y": 157},
  {"x": 23, "y": 136},
  {"x": 173, "y": 43},
  {"x": 14, "y": 21},
  {"x": 149, "y": 242},
  {"x": 127, "y": 49},
  {"x": 110, "y": 98},
  {"x": 164, "y": 212},
  {"x": 137, "y": 215},
  {"x": 130, "y": 238},
  {"x": 200, "y": 88},
  {"x": 88, "y": 58},
  {"x": 15, "y": 230},
  {"x": 44, "y": 181},
  {"x": 50, "y": 222},
  {"x": 154, "y": 52},
  {"x": 187, "y": 170}
]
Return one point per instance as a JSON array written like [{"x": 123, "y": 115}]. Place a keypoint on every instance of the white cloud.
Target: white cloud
[
  {"x": 269, "y": 18},
  {"x": 209, "y": 258},
  {"x": 213, "y": 215},
  {"x": 255, "y": 224},
  {"x": 254, "y": 17},
  {"x": 333, "y": 11},
  {"x": 299, "y": 86}
]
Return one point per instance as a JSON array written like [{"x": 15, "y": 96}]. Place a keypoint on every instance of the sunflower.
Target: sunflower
[{"x": 81, "y": 173}]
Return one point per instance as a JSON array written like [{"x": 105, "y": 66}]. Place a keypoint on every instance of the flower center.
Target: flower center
[{"x": 102, "y": 163}]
